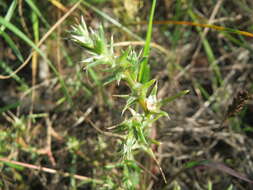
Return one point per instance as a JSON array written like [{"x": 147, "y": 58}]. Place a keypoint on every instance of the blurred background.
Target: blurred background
[{"x": 52, "y": 114}]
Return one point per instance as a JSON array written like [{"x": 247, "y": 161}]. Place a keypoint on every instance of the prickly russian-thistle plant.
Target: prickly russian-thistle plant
[{"x": 125, "y": 67}]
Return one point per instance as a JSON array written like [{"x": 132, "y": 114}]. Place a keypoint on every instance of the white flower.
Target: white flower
[{"x": 151, "y": 103}]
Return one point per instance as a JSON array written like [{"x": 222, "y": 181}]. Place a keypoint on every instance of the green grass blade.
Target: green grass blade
[
  {"x": 35, "y": 22},
  {"x": 144, "y": 72},
  {"x": 22, "y": 36},
  {"x": 12, "y": 45},
  {"x": 66, "y": 56},
  {"x": 37, "y": 11},
  {"x": 149, "y": 32},
  {"x": 13, "y": 165},
  {"x": 9, "y": 106},
  {"x": 19, "y": 80},
  {"x": 7, "y": 38},
  {"x": 204, "y": 93},
  {"x": 95, "y": 77},
  {"x": 176, "y": 34},
  {"x": 113, "y": 21},
  {"x": 210, "y": 185},
  {"x": 144, "y": 67},
  {"x": 9, "y": 13},
  {"x": 209, "y": 52},
  {"x": 241, "y": 43}
]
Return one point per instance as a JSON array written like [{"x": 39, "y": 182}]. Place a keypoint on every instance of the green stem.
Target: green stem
[
  {"x": 130, "y": 81},
  {"x": 132, "y": 85}
]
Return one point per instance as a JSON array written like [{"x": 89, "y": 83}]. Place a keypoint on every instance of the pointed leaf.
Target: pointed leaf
[
  {"x": 140, "y": 133},
  {"x": 109, "y": 79},
  {"x": 122, "y": 60},
  {"x": 169, "y": 99},
  {"x": 100, "y": 44},
  {"x": 146, "y": 86},
  {"x": 90, "y": 65},
  {"x": 161, "y": 114},
  {"x": 154, "y": 90},
  {"x": 130, "y": 102}
]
